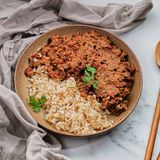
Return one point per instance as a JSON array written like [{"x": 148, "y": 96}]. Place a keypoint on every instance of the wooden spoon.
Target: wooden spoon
[
  {"x": 156, "y": 117},
  {"x": 158, "y": 54},
  {"x": 158, "y": 158}
]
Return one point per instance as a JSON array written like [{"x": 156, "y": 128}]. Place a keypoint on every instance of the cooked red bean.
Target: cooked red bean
[{"x": 67, "y": 56}]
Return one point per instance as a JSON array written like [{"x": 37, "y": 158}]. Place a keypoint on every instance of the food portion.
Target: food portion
[
  {"x": 99, "y": 73},
  {"x": 64, "y": 107},
  {"x": 65, "y": 57}
]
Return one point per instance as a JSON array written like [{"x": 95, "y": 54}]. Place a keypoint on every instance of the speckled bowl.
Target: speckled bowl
[{"x": 21, "y": 81}]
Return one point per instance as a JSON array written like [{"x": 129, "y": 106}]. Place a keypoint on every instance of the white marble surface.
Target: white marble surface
[{"x": 128, "y": 141}]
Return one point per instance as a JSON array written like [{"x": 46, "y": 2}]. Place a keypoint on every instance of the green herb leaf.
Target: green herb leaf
[
  {"x": 91, "y": 69},
  {"x": 89, "y": 72},
  {"x": 36, "y": 104},
  {"x": 42, "y": 100},
  {"x": 86, "y": 79},
  {"x": 32, "y": 101},
  {"x": 37, "y": 108},
  {"x": 95, "y": 83},
  {"x": 86, "y": 73}
]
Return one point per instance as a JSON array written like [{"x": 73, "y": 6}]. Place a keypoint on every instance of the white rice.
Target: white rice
[{"x": 65, "y": 108}]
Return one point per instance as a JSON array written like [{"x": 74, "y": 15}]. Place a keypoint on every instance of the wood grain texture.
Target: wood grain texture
[
  {"x": 158, "y": 54},
  {"x": 158, "y": 158},
  {"x": 153, "y": 131}
]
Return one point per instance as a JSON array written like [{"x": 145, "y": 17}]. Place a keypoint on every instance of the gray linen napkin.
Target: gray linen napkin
[{"x": 20, "y": 23}]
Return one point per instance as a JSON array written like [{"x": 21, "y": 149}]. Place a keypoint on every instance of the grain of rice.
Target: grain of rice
[{"x": 65, "y": 109}]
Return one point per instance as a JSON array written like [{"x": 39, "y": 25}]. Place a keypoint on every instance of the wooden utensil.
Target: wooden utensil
[
  {"x": 156, "y": 117},
  {"x": 158, "y": 158},
  {"x": 157, "y": 52}
]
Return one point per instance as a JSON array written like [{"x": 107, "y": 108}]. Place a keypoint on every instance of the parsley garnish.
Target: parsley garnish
[
  {"x": 95, "y": 83},
  {"x": 89, "y": 76},
  {"x": 36, "y": 104}
]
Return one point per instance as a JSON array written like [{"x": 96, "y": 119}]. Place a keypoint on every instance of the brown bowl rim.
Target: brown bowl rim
[{"x": 101, "y": 131}]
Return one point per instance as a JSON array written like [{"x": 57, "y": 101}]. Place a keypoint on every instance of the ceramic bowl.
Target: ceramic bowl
[{"x": 21, "y": 81}]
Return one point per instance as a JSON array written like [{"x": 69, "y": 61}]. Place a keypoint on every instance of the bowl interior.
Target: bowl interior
[{"x": 21, "y": 81}]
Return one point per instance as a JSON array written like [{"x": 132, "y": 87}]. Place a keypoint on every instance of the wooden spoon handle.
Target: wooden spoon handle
[
  {"x": 158, "y": 158},
  {"x": 153, "y": 131}
]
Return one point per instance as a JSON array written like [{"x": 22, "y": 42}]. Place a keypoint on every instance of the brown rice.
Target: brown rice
[{"x": 65, "y": 108}]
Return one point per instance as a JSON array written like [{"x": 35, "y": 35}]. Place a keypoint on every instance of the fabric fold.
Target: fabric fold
[
  {"x": 31, "y": 138},
  {"x": 20, "y": 23}
]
